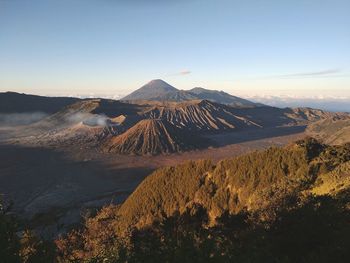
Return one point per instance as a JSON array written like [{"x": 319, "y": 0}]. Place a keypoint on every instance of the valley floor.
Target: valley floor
[{"x": 53, "y": 187}]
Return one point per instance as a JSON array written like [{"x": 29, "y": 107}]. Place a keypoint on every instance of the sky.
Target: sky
[{"x": 111, "y": 47}]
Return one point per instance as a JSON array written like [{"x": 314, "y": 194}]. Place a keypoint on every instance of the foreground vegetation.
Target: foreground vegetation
[
  {"x": 279, "y": 205},
  {"x": 22, "y": 246}
]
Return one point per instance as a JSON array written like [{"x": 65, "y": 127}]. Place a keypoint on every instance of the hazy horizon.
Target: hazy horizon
[
  {"x": 326, "y": 101},
  {"x": 251, "y": 48}
]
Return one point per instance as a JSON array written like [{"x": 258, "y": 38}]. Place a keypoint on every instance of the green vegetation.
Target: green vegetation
[
  {"x": 260, "y": 207},
  {"x": 313, "y": 230},
  {"x": 21, "y": 246},
  {"x": 9, "y": 244},
  {"x": 285, "y": 205}
]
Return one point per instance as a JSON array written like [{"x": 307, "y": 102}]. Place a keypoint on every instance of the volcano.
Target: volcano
[{"x": 151, "y": 136}]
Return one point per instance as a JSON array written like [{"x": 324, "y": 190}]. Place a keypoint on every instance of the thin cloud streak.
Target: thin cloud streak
[
  {"x": 329, "y": 73},
  {"x": 311, "y": 74},
  {"x": 182, "y": 73}
]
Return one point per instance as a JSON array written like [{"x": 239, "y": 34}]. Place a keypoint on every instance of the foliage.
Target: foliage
[
  {"x": 316, "y": 230},
  {"x": 285, "y": 205},
  {"x": 21, "y": 247},
  {"x": 260, "y": 207},
  {"x": 9, "y": 243}
]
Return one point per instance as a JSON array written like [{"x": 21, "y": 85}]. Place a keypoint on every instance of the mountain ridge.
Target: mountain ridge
[
  {"x": 332, "y": 130},
  {"x": 14, "y": 102},
  {"x": 118, "y": 126},
  {"x": 159, "y": 90}
]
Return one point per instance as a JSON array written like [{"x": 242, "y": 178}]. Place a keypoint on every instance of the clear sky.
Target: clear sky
[{"x": 67, "y": 47}]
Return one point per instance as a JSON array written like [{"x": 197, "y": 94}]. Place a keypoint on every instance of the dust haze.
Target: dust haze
[{"x": 16, "y": 119}]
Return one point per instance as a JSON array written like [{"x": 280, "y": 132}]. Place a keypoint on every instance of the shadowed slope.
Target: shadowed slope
[{"x": 13, "y": 102}]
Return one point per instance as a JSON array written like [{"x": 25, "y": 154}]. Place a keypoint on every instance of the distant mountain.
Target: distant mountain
[
  {"x": 151, "y": 90},
  {"x": 221, "y": 97},
  {"x": 158, "y": 90},
  {"x": 176, "y": 96},
  {"x": 13, "y": 102},
  {"x": 267, "y": 116},
  {"x": 152, "y": 126}
]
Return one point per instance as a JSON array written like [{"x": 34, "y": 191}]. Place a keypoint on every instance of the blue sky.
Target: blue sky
[{"x": 65, "y": 47}]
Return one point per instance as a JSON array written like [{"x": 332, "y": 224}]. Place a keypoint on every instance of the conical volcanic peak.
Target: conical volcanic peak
[
  {"x": 159, "y": 90},
  {"x": 150, "y": 136},
  {"x": 153, "y": 89},
  {"x": 159, "y": 83}
]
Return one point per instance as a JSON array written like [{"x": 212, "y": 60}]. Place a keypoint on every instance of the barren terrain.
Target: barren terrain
[{"x": 54, "y": 186}]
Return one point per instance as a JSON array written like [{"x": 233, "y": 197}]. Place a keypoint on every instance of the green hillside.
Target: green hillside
[{"x": 290, "y": 204}]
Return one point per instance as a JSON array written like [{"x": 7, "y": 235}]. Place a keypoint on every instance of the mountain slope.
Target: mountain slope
[
  {"x": 284, "y": 203},
  {"x": 84, "y": 124},
  {"x": 176, "y": 96},
  {"x": 12, "y": 102},
  {"x": 249, "y": 182},
  {"x": 333, "y": 130},
  {"x": 86, "y": 109},
  {"x": 152, "y": 89},
  {"x": 158, "y": 90},
  {"x": 199, "y": 116},
  {"x": 273, "y": 117},
  {"x": 221, "y": 97},
  {"x": 109, "y": 124},
  {"x": 209, "y": 116},
  {"x": 151, "y": 137}
]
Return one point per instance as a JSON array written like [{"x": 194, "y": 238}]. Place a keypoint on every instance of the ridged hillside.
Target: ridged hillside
[
  {"x": 334, "y": 130},
  {"x": 200, "y": 116},
  {"x": 273, "y": 117},
  {"x": 308, "y": 114},
  {"x": 151, "y": 136},
  {"x": 204, "y": 116},
  {"x": 96, "y": 123}
]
